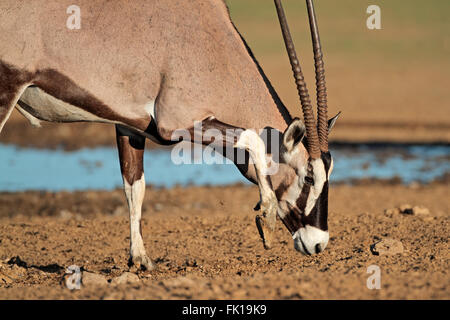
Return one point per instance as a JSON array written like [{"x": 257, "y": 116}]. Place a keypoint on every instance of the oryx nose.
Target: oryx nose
[
  {"x": 311, "y": 240},
  {"x": 320, "y": 247}
]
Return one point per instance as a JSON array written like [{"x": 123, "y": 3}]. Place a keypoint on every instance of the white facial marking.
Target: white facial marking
[
  {"x": 331, "y": 168},
  {"x": 135, "y": 195},
  {"x": 308, "y": 238},
  {"x": 293, "y": 192},
  {"x": 319, "y": 180}
]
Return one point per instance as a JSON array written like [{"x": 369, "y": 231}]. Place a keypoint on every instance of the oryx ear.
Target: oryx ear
[
  {"x": 332, "y": 121},
  {"x": 293, "y": 134}
]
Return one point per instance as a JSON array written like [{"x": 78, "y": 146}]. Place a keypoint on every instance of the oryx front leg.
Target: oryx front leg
[
  {"x": 131, "y": 153},
  {"x": 251, "y": 141}
]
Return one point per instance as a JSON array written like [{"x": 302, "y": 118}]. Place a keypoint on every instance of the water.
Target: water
[
  {"x": 98, "y": 168},
  {"x": 421, "y": 163}
]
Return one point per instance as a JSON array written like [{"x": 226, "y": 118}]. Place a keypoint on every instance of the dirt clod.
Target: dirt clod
[
  {"x": 420, "y": 211},
  {"x": 93, "y": 279},
  {"x": 408, "y": 209},
  {"x": 387, "y": 246},
  {"x": 125, "y": 278}
]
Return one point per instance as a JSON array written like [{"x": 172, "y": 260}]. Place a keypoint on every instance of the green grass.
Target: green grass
[{"x": 415, "y": 31}]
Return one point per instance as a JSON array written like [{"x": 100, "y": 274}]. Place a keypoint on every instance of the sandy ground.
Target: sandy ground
[{"x": 206, "y": 245}]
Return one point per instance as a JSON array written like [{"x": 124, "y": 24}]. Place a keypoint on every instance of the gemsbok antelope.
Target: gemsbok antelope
[{"x": 154, "y": 67}]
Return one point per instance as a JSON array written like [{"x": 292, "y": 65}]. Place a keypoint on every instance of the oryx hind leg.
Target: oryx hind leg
[{"x": 131, "y": 154}]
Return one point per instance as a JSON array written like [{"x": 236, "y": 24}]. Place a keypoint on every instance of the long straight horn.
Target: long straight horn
[
  {"x": 321, "y": 89},
  {"x": 308, "y": 114}
]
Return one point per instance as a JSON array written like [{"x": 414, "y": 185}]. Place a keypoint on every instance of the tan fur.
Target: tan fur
[{"x": 184, "y": 54}]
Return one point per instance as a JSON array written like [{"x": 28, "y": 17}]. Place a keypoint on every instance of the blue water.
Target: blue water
[
  {"x": 421, "y": 163},
  {"x": 98, "y": 168}
]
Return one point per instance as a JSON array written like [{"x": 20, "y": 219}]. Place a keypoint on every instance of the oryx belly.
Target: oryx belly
[{"x": 48, "y": 108}]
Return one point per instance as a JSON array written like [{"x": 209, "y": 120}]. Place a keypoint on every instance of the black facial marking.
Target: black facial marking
[
  {"x": 293, "y": 219},
  {"x": 281, "y": 189},
  {"x": 326, "y": 158},
  {"x": 303, "y": 198},
  {"x": 318, "y": 217}
]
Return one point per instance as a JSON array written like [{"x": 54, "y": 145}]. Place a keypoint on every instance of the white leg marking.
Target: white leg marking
[
  {"x": 250, "y": 141},
  {"x": 135, "y": 196}
]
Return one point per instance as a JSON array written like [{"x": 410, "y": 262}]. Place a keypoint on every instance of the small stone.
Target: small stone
[
  {"x": 181, "y": 281},
  {"x": 189, "y": 269},
  {"x": 391, "y": 212},
  {"x": 420, "y": 211},
  {"x": 5, "y": 279},
  {"x": 124, "y": 278},
  {"x": 387, "y": 246},
  {"x": 406, "y": 209},
  {"x": 65, "y": 214},
  {"x": 120, "y": 212},
  {"x": 93, "y": 279}
]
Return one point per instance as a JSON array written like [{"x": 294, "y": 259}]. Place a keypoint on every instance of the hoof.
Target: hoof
[
  {"x": 143, "y": 263},
  {"x": 264, "y": 232}
]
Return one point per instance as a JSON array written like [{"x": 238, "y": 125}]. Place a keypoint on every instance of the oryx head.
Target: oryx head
[
  {"x": 302, "y": 187},
  {"x": 302, "y": 190}
]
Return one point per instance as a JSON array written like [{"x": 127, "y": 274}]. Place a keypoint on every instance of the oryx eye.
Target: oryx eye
[{"x": 309, "y": 180}]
